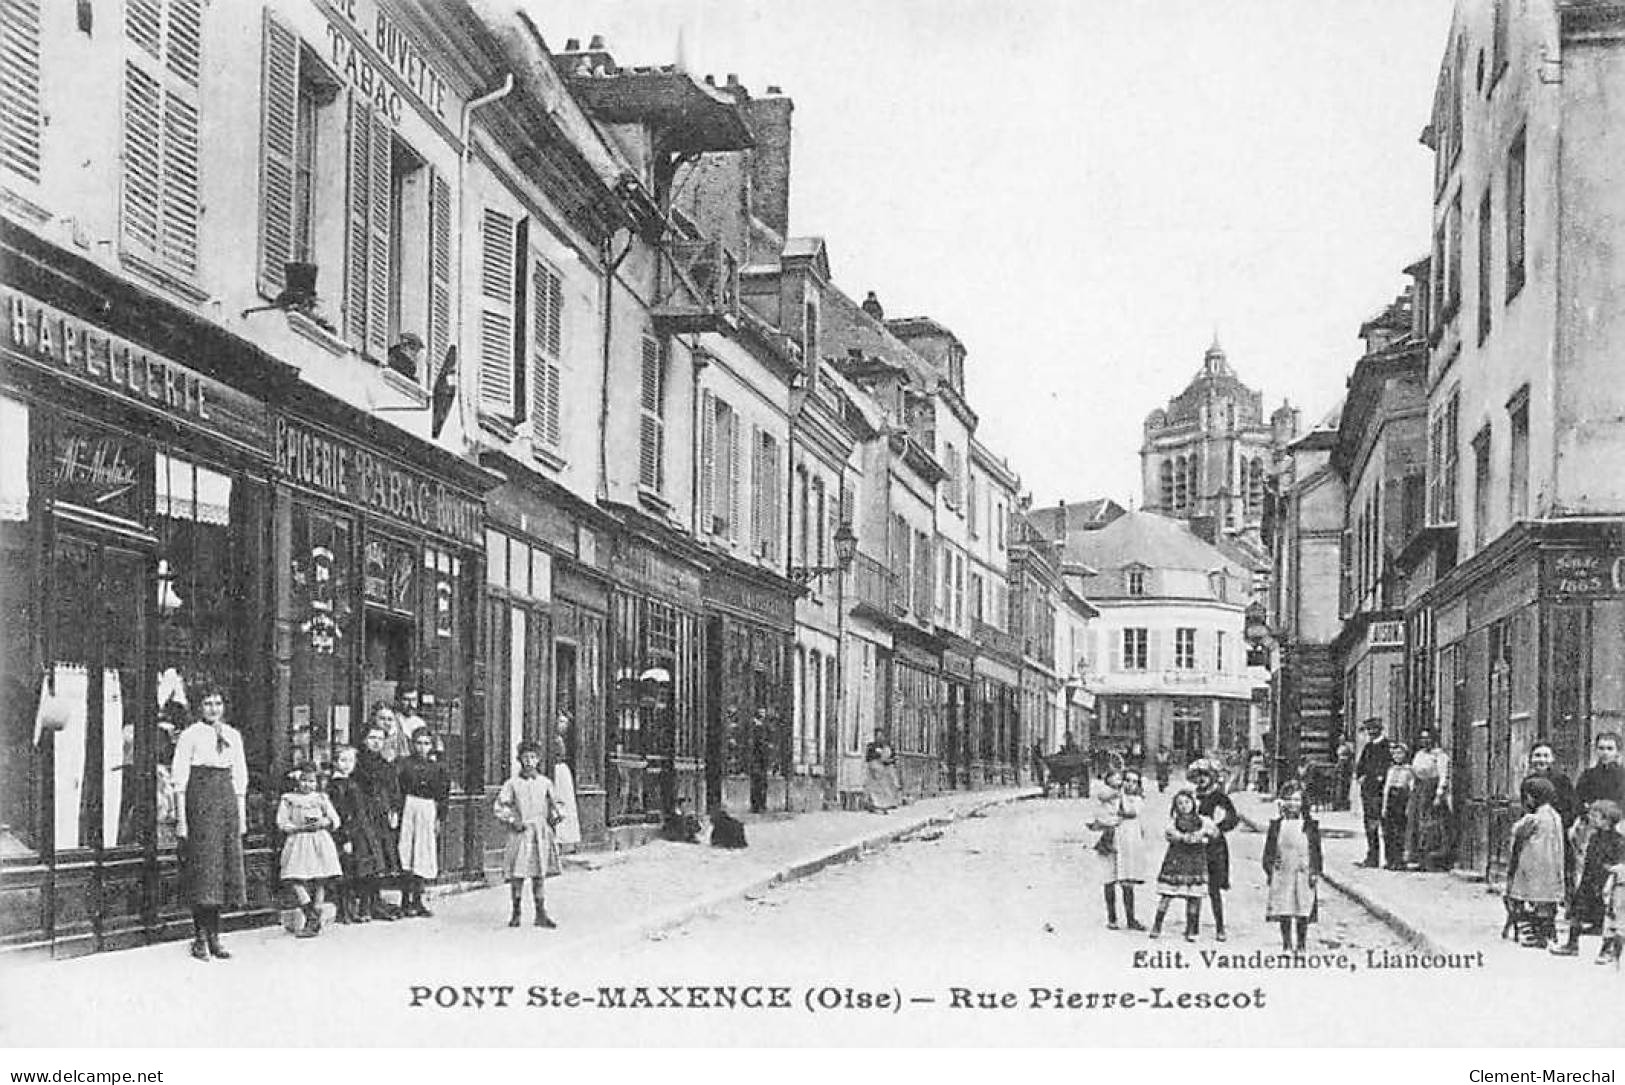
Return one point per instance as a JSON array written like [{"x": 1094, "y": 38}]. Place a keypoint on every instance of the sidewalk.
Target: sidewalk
[
  {"x": 601, "y": 895},
  {"x": 1437, "y": 913}
]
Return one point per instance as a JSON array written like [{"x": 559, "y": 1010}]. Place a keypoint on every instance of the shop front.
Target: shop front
[
  {"x": 133, "y": 574},
  {"x": 379, "y": 553},
  {"x": 749, "y": 632},
  {"x": 546, "y": 629},
  {"x": 994, "y": 713},
  {"x": 917, "y": 712},
  {"x": 959, "y": 712},
  {"x": 654, "y": 740},
  {"x": 1530, "y": 635}
]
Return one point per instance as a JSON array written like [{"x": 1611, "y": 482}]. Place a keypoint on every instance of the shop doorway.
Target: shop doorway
[
  {"x": 386, "y": 662},
  {"x": 100, "y": 780},
  {"x": 562, "y": 739}
]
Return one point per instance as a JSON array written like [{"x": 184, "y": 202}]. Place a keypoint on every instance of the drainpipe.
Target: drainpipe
[
  {"x": 611, "y": 266},
  {"x": 463, "y": 133}
]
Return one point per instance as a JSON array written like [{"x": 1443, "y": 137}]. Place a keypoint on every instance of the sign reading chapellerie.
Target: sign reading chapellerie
[
  {"x": 350, "y": 473},
  {"x": 47, "y": 337}
]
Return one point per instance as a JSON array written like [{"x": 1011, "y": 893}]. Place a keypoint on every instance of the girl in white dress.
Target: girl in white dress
[
  {"x": 1292, "y": 864},
  {"x": 309, "y": 857}
]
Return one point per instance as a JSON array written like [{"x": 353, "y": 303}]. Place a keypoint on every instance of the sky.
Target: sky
[{"x": 1086, "y": 191}]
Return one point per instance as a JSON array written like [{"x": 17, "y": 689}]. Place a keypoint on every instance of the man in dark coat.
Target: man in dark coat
[{"x": 1372, "y": 771}]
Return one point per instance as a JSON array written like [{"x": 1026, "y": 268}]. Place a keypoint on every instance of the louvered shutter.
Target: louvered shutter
[
  {"x": 279, "y": 120},
  {"x": 19, "y": 87},
  {"x": 708, "y": 462},
  {"x": 736, "y": 475},
  {"x": 439, "y": 269},
  {"x": 757, "y": 492},
  {"x": 772, "y": 486},
  {"x": 848, "y": 510},
  {"x": 143, "y": 162},
  {"x": 366, "y": 290},
  {"x": 160, "y": 191},
  {"x": 651, "y": 434},
  {"x": 497, "y": 312},
  {"x": 379, "y": 171},
  {"x": 546, "y": 297}
]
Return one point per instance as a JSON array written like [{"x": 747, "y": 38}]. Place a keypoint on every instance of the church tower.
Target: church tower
[{"x": 1207, "y": 456}]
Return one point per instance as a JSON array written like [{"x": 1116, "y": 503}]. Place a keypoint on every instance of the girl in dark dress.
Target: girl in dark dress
[
  {"x": 361, "y": 851},
  {"x": 1184, "y": 867},
  {"x": 425, "y": 790},
  {"x": 1604, "y": 849},
  {"x": 381, "y": 801},
  {"x": 1212, "y": 803}
]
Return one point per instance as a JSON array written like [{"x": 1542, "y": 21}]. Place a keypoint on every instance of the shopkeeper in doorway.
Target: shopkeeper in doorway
[{"x": 210, "y": 775}]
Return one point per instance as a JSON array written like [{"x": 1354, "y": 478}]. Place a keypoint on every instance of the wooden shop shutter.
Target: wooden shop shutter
[
  {"x": 19, "y": 87},
  {"x": 547, "y": 298},
  {"x": 279, "y": 122},
  {"x": 440, "y": 334},
  {"x": 651, "y": 430},
  {"x": 708, "y": 462},
  {"x": 497, "y": 250}
]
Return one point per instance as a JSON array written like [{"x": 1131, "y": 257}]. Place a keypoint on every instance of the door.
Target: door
[{"x": 99, "y": 765}]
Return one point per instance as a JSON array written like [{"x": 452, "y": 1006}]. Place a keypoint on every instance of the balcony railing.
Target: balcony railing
[
  {"x": 873, "y": 585},
  {"x": 702, "y": 286}
]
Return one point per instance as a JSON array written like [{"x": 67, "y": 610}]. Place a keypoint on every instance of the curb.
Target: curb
[
  {"x": 1395, "y": 922},
  {"x": 797, "y": 870}
]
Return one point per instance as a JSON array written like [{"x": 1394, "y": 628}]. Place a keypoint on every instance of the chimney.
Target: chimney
[
  {"x": 769, "y": 120},
  {"x": 596, "y": 43},
  {"x": 572, "y": 45},
  {"x": 871, "y": 305}
]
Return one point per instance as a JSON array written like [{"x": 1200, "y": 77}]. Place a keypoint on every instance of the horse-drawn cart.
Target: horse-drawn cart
[{"x": 1066, "y": 770}]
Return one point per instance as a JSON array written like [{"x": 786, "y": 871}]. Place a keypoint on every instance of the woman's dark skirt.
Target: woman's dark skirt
[{"x": 214, "y": 850}]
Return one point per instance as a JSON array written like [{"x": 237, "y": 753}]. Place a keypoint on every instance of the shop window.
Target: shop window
[
  {"x": 19, "y": 715},
  {"x": 195, "y": 612},
  {"x": 326, "y": 635}
]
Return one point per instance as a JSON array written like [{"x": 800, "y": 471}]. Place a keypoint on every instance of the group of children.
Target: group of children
[
  {"x": 1196, "y": 863},
  {"x": 1543, "y": 861},
  {"x": 378, "y": 821}
]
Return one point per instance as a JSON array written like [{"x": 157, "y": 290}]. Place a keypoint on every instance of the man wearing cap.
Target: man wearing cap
[{"x": 1372, "y": 771}]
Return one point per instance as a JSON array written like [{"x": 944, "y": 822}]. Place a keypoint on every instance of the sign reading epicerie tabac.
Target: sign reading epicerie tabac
[
  {"x": 382, "y": 61},
  {"x": 352, "y": 474}
]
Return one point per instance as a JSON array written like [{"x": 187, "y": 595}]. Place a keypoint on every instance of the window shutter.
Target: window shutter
[
  {"x": 758, "y": 499},
  {"x": 651, "y": 436},
  {"x": 735, "y": 475},
  {"x": 775, "y": 497},
  {"x": 367, "y": 262},
  {"x": 439, "y": 269},
  {"x": 143, "y": 162},
  {"x": 496, "y": 312},
  {"x": 181, "y": 203},
  {"x": 19, "y": 87},
  {"x": 379, "y": 172},
  {"x": 183, "y": 39},
  {"x": 546, "y": 295},
  {"x": 279, "y": 119},
  {"x": 143, "y": 25},
  {"x": 708, "y": 462}
]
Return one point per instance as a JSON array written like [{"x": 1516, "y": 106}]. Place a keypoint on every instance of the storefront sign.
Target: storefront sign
[
  {"x": 956, "y": 663},
  {"x": 103, "y": 471},
  {"x": 380, "y": 60},
  {"x": 47, "y": 337},
  {"x": 1585, "y": 573},
  {"x": 638, "y": 566},
  {"x": 352, "y": 474},
  {"x": 759, "y": 602},
  {"x": 1388, "y": 634}
]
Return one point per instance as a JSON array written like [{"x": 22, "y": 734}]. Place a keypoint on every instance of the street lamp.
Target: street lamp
[{"x": 846, "y": 548}]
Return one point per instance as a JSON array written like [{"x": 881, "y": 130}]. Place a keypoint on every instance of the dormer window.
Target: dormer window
[
  {"x": 1219, "y": 585},
  {"x": 1135, "y": 581}
]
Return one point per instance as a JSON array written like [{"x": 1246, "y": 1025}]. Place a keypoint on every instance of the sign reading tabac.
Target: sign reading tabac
[
  {"x": 350, "y": 473},
  {"x": 383, "y": 62}
]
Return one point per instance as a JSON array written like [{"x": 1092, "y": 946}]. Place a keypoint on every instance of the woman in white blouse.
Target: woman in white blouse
[
  {"x": 210, "y": 776},
  {"x": 1427, "y": 824}
]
